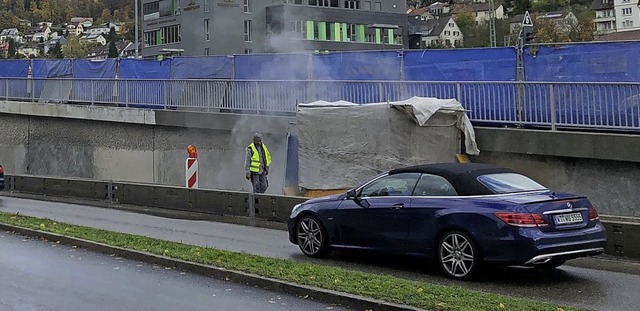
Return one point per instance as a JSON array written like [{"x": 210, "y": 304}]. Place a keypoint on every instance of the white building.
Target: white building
[
  {"x": 616, "y": 15},
  {"x": 627, "y": 15},
  {"x": 436, "y": 32}
]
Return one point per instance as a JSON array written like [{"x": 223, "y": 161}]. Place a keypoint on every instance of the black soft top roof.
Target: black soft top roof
[{"x": 462, "y": 176}]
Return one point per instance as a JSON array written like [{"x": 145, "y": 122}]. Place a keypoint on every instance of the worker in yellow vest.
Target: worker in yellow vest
[{"x": 257, "y": 164}]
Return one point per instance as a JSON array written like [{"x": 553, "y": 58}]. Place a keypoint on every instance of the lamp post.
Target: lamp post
[{"x": 136, "y": 27}]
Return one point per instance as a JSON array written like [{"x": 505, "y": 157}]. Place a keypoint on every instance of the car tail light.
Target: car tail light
[
  {"x": 1, "y": 170},
  {"x": 593, "y": 214},
  {"x": 522, "y": 219}
]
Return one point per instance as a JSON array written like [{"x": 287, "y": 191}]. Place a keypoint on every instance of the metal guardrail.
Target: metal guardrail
[{"x": 548, "y": 104}]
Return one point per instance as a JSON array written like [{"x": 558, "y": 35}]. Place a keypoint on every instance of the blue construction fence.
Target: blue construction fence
[{"x": 581, "y": 62}]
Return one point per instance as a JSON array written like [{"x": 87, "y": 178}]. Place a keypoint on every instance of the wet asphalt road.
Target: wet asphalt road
[
  {"x": 40, "y": 275},
  {"x": 569, "y": 285}
]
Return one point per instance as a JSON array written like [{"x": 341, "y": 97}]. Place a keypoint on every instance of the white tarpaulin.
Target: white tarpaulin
[{"x": 342, "y": 143}]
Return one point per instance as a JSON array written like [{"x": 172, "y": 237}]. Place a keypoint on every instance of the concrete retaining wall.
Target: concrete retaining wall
[
  {"x": 603, "y": 167},
  {"x": 118, "y": 151}
]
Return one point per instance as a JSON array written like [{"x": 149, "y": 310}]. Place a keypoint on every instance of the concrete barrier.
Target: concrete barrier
[
  {"x": 623, "y": 239},
  {"x": 209, "y": 201},
  {"x": 623, "y": 234}
]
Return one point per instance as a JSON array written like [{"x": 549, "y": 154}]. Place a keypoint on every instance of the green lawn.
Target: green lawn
[{"x": 384, "y": 287}]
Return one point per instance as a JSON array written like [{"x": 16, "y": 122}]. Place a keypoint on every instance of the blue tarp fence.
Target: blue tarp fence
[
  {"x": 592, "y": 62},
  {"x": 583, "y": 62},
  {"x": 15, "y": 69},
  {"x": 91, "y": 91},
  {"x": 150, "y": 91},
  {"x": 59, "y": 68}
]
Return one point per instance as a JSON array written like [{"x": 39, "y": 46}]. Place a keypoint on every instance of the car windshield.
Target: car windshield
[{"x": 509, "y": 183}]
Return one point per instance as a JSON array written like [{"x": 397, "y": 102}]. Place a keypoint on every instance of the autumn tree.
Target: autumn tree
[
  {"x": 549, "y": 5},
  {"x": 113, "y": 50},
  {"x": 56, "y": 51},
  {"x": 12, "y": 48},
  {"x": 76, "y": 48},
  {"x": 519, "y": 6}
]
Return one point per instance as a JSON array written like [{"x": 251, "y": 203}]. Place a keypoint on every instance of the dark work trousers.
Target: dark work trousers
[{"x": 260, "y": 182}]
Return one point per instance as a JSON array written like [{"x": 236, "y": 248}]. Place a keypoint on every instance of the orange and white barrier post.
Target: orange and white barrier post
[{"x": 192, "y": 168}]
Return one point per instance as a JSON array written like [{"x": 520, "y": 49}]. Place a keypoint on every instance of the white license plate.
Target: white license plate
[{"x": 568, "y": 218}]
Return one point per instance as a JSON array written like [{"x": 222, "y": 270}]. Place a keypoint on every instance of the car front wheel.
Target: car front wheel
[
  {"x": 458, "y": 256},
  {"x": 312, "y": 239}
]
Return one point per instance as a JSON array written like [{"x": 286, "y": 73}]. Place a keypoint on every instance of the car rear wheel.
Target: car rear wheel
[
  {"x": 312, "y": 238},
  {"x": 458, "y": 255}
]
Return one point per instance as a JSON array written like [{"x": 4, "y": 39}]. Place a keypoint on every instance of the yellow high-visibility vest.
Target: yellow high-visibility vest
[{"x": 255, "y": 157}]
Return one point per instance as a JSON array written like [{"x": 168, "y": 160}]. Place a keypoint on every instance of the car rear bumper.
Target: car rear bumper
[{"x": 530, "y": 246}]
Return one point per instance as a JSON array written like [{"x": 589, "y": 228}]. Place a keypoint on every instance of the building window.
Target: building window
[
  {"x": 207, "y": 6},
  {"x": 367, "y": 5},
  {"x": 206, "y": 30},
  {"x": 378, "y": 6},
  {"x": 327, "y": 3},
  {"x": 248, "y": 51},
  {"x": 626, "y": 11},
  {"x": 352, "y": 4},
  {"x": 151, "y": 7},
  {"x": 627, "y": 23},
  {"x": 206, "y": 51},
  {"x": 299, "y": 28},
  {"x": 352, "y": 33},
  {"x": 451, "y": 25},
  {"x": 164, "y": 35},
  {"x": 457, "y": 43},
  {"x": 247, "y": 6},
  {"x": 247, "y": 31}
]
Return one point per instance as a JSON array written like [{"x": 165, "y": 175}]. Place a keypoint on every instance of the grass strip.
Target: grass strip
[{"x": 383, "y": 287}]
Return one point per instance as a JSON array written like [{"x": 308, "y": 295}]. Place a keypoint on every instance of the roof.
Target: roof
[
  {"x": 632, "y": 35},
  {"x": 553, "y": 15},
  {"x": 9, "y": 32},
  {"x": 419, "y": 11},
  {"x": 430, "y": 27},
  {"x": 462, "y": 176},
  {"x": 600, "y": 5},
  {"x": 473, "y": 7}
]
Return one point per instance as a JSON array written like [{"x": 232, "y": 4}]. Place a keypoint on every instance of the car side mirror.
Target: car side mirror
[{"x": 351, "y": 194}]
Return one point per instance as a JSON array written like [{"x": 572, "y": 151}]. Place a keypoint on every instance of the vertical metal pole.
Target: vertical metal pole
[
  {"x": 552, "y": 100},
  {"x": 136, "y": 27},
  {"x": 520, "y": 86},
  {"x": 92, "y": 92}
]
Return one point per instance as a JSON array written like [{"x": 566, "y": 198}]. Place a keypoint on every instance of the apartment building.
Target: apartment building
[
  {"x": 225, "y": 27},
  {"x": 616, "y": 15}
]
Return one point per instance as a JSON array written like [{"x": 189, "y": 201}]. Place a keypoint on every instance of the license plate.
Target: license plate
[{"x": 568, "y": 218}]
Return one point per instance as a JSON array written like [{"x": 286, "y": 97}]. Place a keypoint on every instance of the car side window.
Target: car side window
[
  {"x": 391, "y": 185},
  {"x": 434, "y": 185}
]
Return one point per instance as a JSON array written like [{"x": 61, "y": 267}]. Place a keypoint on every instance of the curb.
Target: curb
[{"x": 324, "y": 295}]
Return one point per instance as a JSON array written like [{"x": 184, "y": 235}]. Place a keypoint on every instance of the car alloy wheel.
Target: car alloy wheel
[
  {"x": 311, "y": 237},
  {"x": 457, "y": 255}
]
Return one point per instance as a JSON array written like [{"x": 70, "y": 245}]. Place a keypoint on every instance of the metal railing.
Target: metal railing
[{"x": 546, "y": 104}]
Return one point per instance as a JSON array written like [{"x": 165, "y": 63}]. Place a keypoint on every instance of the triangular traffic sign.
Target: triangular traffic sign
[{"x": 526, "y": 21}]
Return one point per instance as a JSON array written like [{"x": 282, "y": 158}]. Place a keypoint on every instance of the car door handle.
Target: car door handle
[{"x": 398, "y": 206}]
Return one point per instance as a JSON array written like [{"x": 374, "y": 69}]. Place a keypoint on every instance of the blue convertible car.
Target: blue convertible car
[{"x": 460, "y": 214}]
